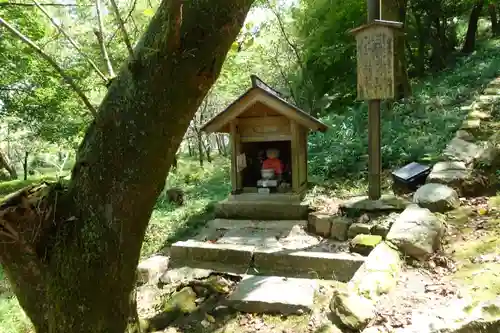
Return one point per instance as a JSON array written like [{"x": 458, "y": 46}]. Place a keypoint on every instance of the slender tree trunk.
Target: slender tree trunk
[
  {"x": 199, "y": 143},
  {"x": 422, "y": 34},
  {"x": 495, "y": 25},
  {"x": 174, "y": 163},
  {"x": 89, "y": 235},
  {"x": 470, "y": 38},
  {"x": 190, "y": 148},
  {"x": 5, "y": 163},
  {"x": 395, "y": 10},
  {"x": 25, "y": 165}
]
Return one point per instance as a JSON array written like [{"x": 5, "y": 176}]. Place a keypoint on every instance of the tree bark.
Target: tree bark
[
  {"x": 470, "y": 38},
  {"x": 89, "y": 235},
  {"x": 5, "y": 163},
  {"x": 495, "y": 25},
  {"x": 25, "y": 165}
]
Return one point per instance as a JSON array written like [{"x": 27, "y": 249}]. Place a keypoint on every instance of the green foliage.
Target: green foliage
[
  {"x": 202, "y": 187},
  {"x": 417, "y": 130}
]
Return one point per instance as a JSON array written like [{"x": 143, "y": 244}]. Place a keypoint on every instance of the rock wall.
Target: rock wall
[{"x": 471, "y": 159}]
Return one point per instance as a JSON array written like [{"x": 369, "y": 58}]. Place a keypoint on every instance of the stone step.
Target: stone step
[
  {"x": 261, "y": 210},
  {"x": 256, "y": 224},
  {"x": 495, "y": 83},
  {"x": 247, "y": 259},
  {"x": 492, "y": 91},
  {"x": 489, "y": 98},
  {"x": 273, "y": 295}
]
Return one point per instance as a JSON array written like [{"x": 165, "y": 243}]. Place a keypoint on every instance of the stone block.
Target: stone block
[
  {"x": 358, "y": 229},
  {"x": 303, "y": 264},
  {"x": 150, "y": 270},
  {"x": 273, "y": 294},
  {"x": 382, "y": 225},
  {"x": 320, "y": 224},
  {"x": 224, "y": 257},
  {"x": 261, "y": 210},
  {"x": 340, "y": 226}
]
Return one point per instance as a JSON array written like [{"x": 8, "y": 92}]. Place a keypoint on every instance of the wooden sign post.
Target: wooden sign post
[{"x": 375, "y": 81}]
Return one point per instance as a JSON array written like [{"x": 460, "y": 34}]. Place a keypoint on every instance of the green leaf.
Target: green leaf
[{"x": 148, "y": 12}]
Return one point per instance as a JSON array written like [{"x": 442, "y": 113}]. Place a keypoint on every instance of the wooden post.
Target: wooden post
[
  {"x": 374, "y": 160},
  {"x": 295, "y": 143},
  {"x": 235, "y": 151}
]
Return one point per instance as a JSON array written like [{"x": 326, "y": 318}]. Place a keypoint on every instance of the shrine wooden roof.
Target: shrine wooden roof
[{"x": 261, "y": 93}]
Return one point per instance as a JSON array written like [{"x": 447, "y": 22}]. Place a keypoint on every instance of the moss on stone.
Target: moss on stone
[
  {"x": 366, "y": 240},
  {"x": 183, "y": 300}
]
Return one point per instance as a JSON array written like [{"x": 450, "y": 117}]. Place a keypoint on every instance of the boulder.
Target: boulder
[
  {"x": 183, "y": 301},
  {"x": 358, "y": 229},
  {"x": 364, "y": 244},
  {"x": 436, "y": 197},
  {"x": 465, "y": 135},
  {"x": 463, "y": 151},
  {"x": 340, "y": 226},
  {"x": 151, "y": 269},
  {"x": 320, "y": 224},
  {"x": 451, "y": 173},
  {"x": 416, "y": 232},
  {"x": 460, "y": 177},
  {"x": 352, "y": 310},
  {"x": 378, "y": 274}
]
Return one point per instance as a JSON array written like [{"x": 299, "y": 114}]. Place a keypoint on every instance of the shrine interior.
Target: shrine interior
[{"x": 255, "y": 153}]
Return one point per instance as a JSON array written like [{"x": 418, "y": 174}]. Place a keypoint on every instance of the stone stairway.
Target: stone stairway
[
  {"x": 471, "y": 156},
  {"x": 279, "y": 247}
]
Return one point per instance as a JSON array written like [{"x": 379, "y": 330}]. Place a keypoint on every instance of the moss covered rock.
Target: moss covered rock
[
  {"x": 352, "y": 310},
  {"x": 379, "y": 273},
  {"x": 183, "y": 300},
  {"x": 364, "y": 244}
]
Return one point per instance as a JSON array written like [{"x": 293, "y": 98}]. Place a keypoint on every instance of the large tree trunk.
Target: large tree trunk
[
  {"x": 470, "y": 38},
  {"x": 74, "y": 258}
]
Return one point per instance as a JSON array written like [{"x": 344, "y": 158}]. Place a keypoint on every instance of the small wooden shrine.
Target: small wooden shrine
[{"x": 261, "y": 123}]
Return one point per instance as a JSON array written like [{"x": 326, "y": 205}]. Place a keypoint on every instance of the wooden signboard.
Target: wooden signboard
[{"x": 375, "y": 59}]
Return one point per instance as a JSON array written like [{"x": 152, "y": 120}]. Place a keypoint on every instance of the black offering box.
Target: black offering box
[{"x": 408, "y": 178}]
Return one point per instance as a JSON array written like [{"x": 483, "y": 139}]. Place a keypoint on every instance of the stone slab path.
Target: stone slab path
[
  {"x": 266, "y": 248},
  {"x": 273, "y": 294}
]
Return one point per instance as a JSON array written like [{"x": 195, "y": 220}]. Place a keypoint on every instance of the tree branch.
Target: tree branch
[
  {"x": 100, "y": 38},
  {"x": 121, "y": 24},
  {"x": 71, "y": 41},
  {"x": 69, "y": 80},
  {"x": 6, "y": 4}
]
